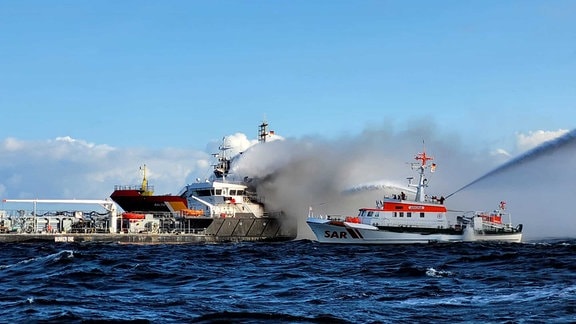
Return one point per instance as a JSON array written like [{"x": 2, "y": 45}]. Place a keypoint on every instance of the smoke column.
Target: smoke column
[{"x": 335, "y": 176}]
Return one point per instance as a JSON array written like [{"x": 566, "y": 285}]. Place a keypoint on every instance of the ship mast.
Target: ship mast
[
  {"x": 422, "y": 181},
  {"x": 262, "y": 132},
  {"x": 144, "y": 187}
]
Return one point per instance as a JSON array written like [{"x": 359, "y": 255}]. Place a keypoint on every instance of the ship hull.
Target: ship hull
[
  {"x": 134, "y": 201},
  {"x": 217, "y": 230}
]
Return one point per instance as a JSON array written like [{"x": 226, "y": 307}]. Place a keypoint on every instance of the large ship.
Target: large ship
[
  {"x": 219, "y": 209},
  {"x": 399, "y": 219}
]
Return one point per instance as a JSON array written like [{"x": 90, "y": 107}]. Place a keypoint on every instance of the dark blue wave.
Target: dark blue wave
[{"x": 292, "y": 282}]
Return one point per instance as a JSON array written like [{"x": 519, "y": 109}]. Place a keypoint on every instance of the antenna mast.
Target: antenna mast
[{"x": 262, "y": 132}]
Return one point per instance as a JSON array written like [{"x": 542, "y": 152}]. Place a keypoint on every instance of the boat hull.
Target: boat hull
[
  {"x": 499, "y": 237},
  {"x": 350, "y": 233}
]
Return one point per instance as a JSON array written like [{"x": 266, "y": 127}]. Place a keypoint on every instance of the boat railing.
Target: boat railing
[
  {"x": 495, "y": 219},
  {"x": 134, "y": 187}
]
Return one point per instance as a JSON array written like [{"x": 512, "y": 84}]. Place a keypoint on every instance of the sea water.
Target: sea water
[{"x": 292, "y": 282}]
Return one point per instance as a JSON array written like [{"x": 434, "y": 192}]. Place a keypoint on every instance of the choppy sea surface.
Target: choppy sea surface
[{"x": 290, "y": 282}]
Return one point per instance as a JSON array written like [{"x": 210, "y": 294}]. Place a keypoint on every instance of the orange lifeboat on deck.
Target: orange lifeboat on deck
[
  {"x": 133, "y": 216},
  {"x": 352, "y": 219}
]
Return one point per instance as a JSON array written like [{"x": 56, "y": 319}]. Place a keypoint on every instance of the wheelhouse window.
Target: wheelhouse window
[
  {"x": 401, "y": 214},
  {"x": 203, "y": 193},
  {"x": 370, "y": 214},
  {"x": 218, "y": 192},
  {"x": 409, "y": 214},
  {"x": 421, "y": 215}
]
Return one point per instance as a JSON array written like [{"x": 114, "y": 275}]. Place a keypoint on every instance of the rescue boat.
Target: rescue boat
[
  {"x": 400, "y": 219},
  {"x": 492, "y": 226}
]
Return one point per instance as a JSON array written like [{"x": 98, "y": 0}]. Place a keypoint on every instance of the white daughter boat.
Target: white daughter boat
[{"x": 397, "y": 220}]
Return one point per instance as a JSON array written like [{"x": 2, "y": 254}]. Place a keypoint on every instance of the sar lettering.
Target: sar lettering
[{"x": 335, "y": 234}]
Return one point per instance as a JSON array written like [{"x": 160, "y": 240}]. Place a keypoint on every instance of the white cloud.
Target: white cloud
[
  {"x": 501, "y": 154},
  {"x": 11, "y": 144},
  {"x": 72, "y": 168},
  {"x": 525, "y": 142}
]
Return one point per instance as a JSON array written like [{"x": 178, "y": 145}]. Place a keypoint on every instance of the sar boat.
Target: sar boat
[{"x": 398, "y": 220}]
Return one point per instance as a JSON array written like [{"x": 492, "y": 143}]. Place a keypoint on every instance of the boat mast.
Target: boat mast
[{"x": 422, "y": 181}]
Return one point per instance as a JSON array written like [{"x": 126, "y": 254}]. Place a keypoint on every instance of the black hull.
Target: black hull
[{"x": 134, "y": 201}]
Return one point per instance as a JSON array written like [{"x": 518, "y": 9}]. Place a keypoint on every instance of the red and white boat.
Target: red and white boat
[
  {"x": 398, "y": 219},
  {"x": 492, "y": 226}
]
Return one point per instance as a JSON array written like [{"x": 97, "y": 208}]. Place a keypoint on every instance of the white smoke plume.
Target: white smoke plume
[{"x": 339, "y": 176}]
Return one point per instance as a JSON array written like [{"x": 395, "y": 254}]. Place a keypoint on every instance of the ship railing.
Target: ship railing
[{"x": 133, "y": 187}]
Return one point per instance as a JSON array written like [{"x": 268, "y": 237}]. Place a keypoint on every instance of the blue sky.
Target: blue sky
[
  {"x": 180, "y": 73},
  {"x": 116, "y": 84}
]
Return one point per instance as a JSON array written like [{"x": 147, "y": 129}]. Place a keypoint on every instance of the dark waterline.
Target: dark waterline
[{"x": 291, "y": 282}]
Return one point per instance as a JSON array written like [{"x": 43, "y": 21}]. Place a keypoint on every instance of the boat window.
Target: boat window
[
  {"x": 370, "y": 214},
  {"x": 408, "y": 214},
  {"x": 232, "y": 192},
  {"x": 421, "y": 215},
  {"x": 218, "y": 192},
  {"x": 401, "y": 214},
  {"x": 395, "y": 214},
  {"x": 376, "y": 214},
  {"x": 240, "y": 192},
  {"x": 204, "y": 193}
]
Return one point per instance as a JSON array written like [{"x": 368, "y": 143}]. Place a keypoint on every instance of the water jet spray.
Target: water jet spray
[{"x": 547, "y": 147}]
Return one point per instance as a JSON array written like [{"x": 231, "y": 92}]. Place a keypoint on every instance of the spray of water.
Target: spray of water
[
  {"x": 377, "y": 185},
  {"x": 543, "y": 149}
]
